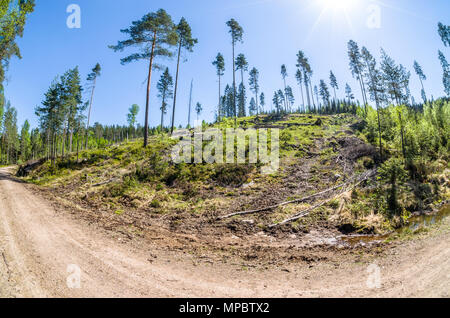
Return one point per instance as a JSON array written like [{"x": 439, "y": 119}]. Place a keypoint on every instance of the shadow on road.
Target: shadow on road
[{"x": 6, "y": 176}]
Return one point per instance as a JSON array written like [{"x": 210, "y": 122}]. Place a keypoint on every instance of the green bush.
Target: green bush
[{"x": 393, "y": 175}]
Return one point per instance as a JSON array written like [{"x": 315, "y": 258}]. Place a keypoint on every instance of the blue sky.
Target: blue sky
[{"x": 274, "y": 32}]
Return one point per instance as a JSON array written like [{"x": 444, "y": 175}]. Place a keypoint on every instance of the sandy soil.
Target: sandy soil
[{"x": 41, "y": 249}]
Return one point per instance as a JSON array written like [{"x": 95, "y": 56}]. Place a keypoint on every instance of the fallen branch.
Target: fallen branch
[
  {"x": 105, "y": 182},
  {"x": 269, "y": 208},
  {"x": 305, "y": 212},
  {"x": 309, "y": 210}
]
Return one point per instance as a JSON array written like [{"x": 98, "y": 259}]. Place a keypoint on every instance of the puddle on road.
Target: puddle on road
[{"x": 414, "y": 223}]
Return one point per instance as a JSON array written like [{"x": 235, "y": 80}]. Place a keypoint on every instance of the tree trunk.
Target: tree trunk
[
  {"x": 377, "y": 102},
  {"x": 70, "y": 141},
  {"x": 318, "y": 102},
  {"x": 402, "y": 135},
  {"x": 147, "y": 103},
  {"x": 379, "y": 133},
  {"x": 303, "y": 98},
  {"x": 175, "y": 91},
  {"x": 363, "y": 88},
  {"x": 89, "y": 113},
  {"x": 64, "y": 140},
  {"x": 312, "y": 94},
  {"x": 190, "y": 104},
  {"x": 234, "y": 88},
  {"x": 423, "y": 89},
  {"x": 362, "y": 93},
  {"x": 220, "y": 91},
  {"x": 365, "y": 95},
  {"x": 257, "y": 105},
  {"x": 162, "y": 112},
  {"x": 78, "y": 147},
  {"x": 307, "y": 94}
]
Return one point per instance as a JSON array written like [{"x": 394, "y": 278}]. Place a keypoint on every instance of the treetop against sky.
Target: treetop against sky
[{"x": 60, "y": 36}]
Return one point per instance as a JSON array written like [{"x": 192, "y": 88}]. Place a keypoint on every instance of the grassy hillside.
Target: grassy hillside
[{"x": 135, "y": 187}]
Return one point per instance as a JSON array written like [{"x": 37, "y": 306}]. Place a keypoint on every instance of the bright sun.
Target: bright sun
[{"x": 338, "y": 4}]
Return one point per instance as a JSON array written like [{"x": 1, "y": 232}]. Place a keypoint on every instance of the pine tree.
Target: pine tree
[
  {"x": 316, "y": 93},
  {"x": 299, "y": 77},
  {"x": 333, "y": 83},
  {"x": 198, "y": 110},
  {"x": 25, "y": 141},
  {"x": 71, "y": 103},
  {"x": 92, "y": 80},
  {"x": 444, "y": 32},
  {"x": 422, "y": 77},
  {"x": 253, "y": 108},
  {"x": 155, "y": 34},
  {"x": 305, "y": 67},
  {"x": 229, "y": 102},
  {"x": 51, "y": 117},
  {"x": 219, "y": 63},
  {"x": 237, "y": 33},
  {"x": 375, "y": 87},
  {"x": 187, "y": 42},
  {"x": 262, "y": 102},
  {"x": 165, "y": 90},
  {"x": 405, "y": 77},
  {"x": 446, "y": 73},
  {"x": 242, "y": 100},
  {"x": 324, "y": 93},
  {"x": 349, "y": 93},
  {"x": 10, "y": 133},
  {"x": 132, "y": 116},
  {"x": 357, "y": 68},
  {"x": 36, "y": 143},
  {"x": 241, "y": 65},
  {"x": 284, "y": 75},
  {"x": 396, "y": 79},
  {"x": 289, "y": 96},
  {"x": 254, "y": 86},
  {"x": 276, "y": 100}
]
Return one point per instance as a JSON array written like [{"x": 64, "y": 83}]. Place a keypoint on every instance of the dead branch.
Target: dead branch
[
  {"x": 305, "y": 212},
  {"x": 269, "y": 208},
  {"x": 309, "y": 210},
  {"x": 105, "y": 182}
]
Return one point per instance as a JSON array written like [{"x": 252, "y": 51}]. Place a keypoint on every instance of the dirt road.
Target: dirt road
[{"x": 43, "y": 253}]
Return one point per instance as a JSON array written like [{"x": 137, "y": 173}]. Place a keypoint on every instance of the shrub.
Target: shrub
[
  {"x": 393, "y": 175},
  {"x": 232, "y": 175},
  {"x": 155, "y": 204}
]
